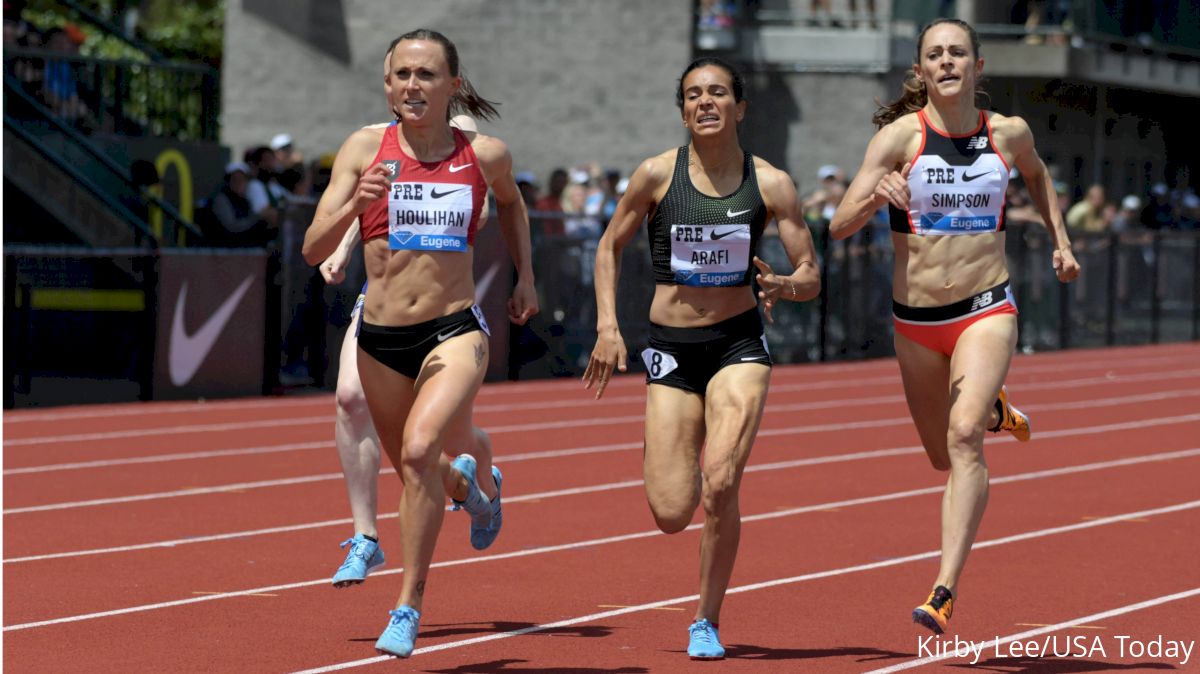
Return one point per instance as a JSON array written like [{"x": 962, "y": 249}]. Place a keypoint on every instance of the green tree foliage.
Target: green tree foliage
[{"x": 181, "y": 31}]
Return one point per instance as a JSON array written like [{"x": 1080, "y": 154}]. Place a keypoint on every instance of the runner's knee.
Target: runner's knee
[
  {"x": 673, "y": 512},
  {"x": 964, "y": 437},
  {"x": 720, "y": 486},
  {"x": 350, "y": 400}
]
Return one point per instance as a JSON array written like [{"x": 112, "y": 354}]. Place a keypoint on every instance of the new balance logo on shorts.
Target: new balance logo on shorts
[{"x": 981, "y": 300}]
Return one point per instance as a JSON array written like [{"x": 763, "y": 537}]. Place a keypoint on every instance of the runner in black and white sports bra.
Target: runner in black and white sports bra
[
  {"x": 701, "y": 241},
  {"x": 957, "y": 184},
  {"x": 942, "y": 165},
  {"x": 707, "y": 363}
]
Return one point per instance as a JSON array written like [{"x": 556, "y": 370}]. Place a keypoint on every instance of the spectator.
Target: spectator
[
  {"x": 1128, "y": 218},
  {"x": 1062, "y": 197},
  {"x": 264, "y": 190},
  {"x": 60, "y": 90},
  {"x": 1088, "y": 215},
  {"x": 286, "y": 155},
  {"x": 580, "y": 225},
  {"x": 321, "y": 171},
  {"x": 1158, "y": 213},
  {"x": 297, "y": 184},
  {"x": 1018, "y": 207},
  {"x": 527, "y": 183},
  {"x": 1189, "y": 216},
  {"x": 237, "y": 223},
  {"x": 552, "y": 202},
  {"x": 603, "y": 202}
]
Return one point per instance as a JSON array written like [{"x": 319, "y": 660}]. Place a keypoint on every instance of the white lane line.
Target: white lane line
[
  {"x": 170, "y": 430},
  {"x": 770, "y": 432},
  {"x": 770, "y": 409},
  {"x": 181, "y": 456},
  {"x": 1077, "y": 622},
  {"x": 584, "y": 402},
  {"x": 507, "y": 390},
  {"x": 895, "y": 561},
  {"x": 694, "y": 527}
]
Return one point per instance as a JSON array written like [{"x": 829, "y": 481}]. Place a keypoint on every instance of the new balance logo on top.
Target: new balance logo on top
[
  {"x": 977, "y": 143},
  {"x": 981, "y": 300}
]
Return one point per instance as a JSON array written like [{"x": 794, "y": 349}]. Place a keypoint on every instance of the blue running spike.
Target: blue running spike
[
  {"x": 704, "y": 643},
  {"x": 364, "y": 557},
  {"x": 400, "y": 634}
]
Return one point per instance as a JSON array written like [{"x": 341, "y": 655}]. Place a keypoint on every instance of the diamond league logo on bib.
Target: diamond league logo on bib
[{"x": 429, "y": 216}]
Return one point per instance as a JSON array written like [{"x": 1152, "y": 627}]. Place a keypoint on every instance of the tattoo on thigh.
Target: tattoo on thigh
[
  {"x": 420, "y": 588},
  {"x": 478, "y": 355}
]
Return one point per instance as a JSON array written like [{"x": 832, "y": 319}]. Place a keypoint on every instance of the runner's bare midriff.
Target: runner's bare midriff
[
  {"x": 688, "y": 307},
  {"x": 410, "y": 287},
  {"x": 933, "y": 271}
]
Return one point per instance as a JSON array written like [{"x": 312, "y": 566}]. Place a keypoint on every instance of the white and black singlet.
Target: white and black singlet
[{"x": 957, "y": 184}]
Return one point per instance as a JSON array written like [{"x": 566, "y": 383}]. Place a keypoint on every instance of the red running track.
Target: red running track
[{"x": 180, "y": 537}]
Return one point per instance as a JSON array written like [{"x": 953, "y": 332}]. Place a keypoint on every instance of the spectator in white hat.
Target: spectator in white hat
[
  {"x": 285, "y": 151},
  {"x": 1128, "y": 217}
]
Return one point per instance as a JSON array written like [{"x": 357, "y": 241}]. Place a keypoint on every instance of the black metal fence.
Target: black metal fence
[
  {"x": 129, "y": 98},
  {"x": 1135, "y": 288}
]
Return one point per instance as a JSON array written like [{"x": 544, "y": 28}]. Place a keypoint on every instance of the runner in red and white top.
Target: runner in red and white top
[{"x": 428, "y": 181}]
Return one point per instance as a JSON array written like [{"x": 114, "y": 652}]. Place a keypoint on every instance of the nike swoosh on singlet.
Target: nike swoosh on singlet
[
  {"x": 731, "y": 214},
  {"x": 185, "y": 353},
  {"x": 715, "y": 236},
  {"x": 438, "y": 195},
  {"x": 456, "y": 169},
  {"x": 966, "y": 178}
]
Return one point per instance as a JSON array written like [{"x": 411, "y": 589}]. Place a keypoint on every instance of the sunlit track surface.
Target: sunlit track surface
[{"x": 144, "y": 535}]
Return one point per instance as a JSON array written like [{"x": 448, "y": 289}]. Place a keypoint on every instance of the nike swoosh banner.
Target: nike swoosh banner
[{"x": 211, "y": 325}]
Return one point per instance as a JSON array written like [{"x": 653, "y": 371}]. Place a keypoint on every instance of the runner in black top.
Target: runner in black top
[{"x": 707, "y": 362}]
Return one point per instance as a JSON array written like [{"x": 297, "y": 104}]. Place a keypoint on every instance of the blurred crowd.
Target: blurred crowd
[{"x": 53, "y": 82}]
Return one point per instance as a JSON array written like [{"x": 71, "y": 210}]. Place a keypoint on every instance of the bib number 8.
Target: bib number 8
[{"x": 658, "y": 363}]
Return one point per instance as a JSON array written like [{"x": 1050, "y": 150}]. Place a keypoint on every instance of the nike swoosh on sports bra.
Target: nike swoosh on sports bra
[{"x": 957, "y": 184}]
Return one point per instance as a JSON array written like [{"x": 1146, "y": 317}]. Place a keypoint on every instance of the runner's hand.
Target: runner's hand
[
  {"x": 333, "y": 269},
  {"x": 770, "y": 287},
  {"x": 523, "y": 304},
  {"x": 893, "y": 188},
  {"x": 372, "y": 186},
  {"x": 1065, "y": 266},
  {"x": 608, "y": 353}
]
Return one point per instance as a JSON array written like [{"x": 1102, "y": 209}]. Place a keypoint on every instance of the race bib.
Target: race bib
[
  {"x": 710, "y": 255},
  {"x": 658, "y": 363},
  {"x": 429, "y": 216},
  {"x": 482, "y": 321}
]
